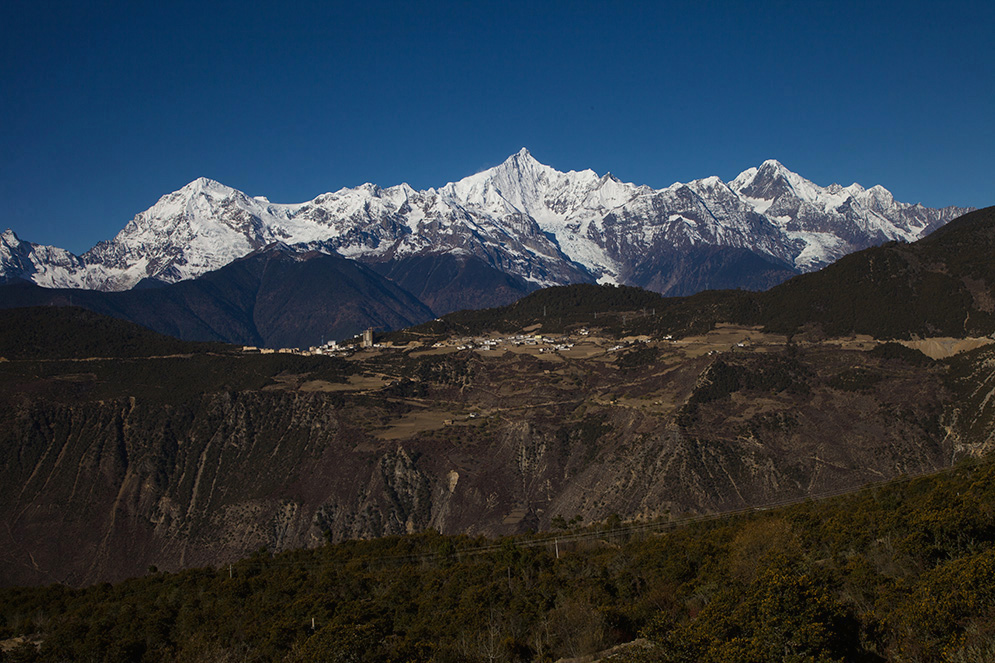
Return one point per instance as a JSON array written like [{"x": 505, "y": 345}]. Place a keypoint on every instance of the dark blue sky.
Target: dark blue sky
[{"x": 106, "y": 106}]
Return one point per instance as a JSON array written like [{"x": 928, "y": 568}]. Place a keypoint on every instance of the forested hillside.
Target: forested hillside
[
  {"x": 67, "y": 332},
  {"x": 897, "y": 572}
]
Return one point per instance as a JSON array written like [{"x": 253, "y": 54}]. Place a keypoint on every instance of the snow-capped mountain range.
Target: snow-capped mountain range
[{"x": 521, "y": 218}]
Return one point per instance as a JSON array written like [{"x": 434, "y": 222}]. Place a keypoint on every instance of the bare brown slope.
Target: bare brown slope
[{"x": 106, "y": 473}]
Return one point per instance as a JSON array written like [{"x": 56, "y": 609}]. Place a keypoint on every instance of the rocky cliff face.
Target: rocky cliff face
[{"x": 107, "y": 471}]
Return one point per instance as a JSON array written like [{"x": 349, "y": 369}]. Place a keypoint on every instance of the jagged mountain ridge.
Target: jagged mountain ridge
[{"x": 522, "y": 218}]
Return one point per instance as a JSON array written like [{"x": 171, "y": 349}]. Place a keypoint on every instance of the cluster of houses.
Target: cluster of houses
[
  {"x": 543, "y": 343},
  {"x": 330, "y": 348}
]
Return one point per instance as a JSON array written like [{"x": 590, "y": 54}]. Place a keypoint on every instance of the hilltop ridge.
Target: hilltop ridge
[{"x": 522, "y": 219}]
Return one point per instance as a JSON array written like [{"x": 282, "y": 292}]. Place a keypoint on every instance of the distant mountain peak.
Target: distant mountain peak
[
  {"x": 768, "y": 182},
  {"x": 521, "y": 217},
  {"x": 522, "y": 162},
  {"x": 523, "y": 154},
  {"x": 773, "y": 164},
  {"x": 206, "y": 184}
]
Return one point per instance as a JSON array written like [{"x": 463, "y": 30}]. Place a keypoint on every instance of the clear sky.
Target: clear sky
[{"x": 106, "y": 106}]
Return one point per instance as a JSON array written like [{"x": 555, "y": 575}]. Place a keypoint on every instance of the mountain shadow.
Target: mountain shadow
[
  {"x": 697, "y": 269},
  {"x": 271, "y": 298},
  {"x": 448, "y": 283}
]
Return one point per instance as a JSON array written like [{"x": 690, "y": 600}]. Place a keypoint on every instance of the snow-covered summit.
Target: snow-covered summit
[
  {"x": 521, "y": 217},
  {"x": 47, "y": 266},
  {"x": 520, "y": 185}
]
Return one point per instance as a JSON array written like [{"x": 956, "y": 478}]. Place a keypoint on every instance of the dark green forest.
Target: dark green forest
[
  {"x": 903, "y": 571},
  {"x": 66, "y": 332}
]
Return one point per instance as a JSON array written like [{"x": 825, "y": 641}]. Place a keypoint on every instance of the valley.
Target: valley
[
  {"x": 202, "y": 458},
  {"x": 605, "y": 413}
]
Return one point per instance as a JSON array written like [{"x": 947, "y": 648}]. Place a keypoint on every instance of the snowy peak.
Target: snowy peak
[
  {"x": 12, "y": 253},
  {"x": 523, "y": 159},
  {"x": 47, "y": 266},
  {"x": 519, "y": 166},
  {"x": 768, "y": 182},
  {"x": 880, "y": 197},
  {"x": 9, "y": 239},
  {"x": 201, "y": 188},
  {"x": 202, "y": 184},
  {"x": 521, "y": 217},
  {"x": 519, "y": 184}
]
